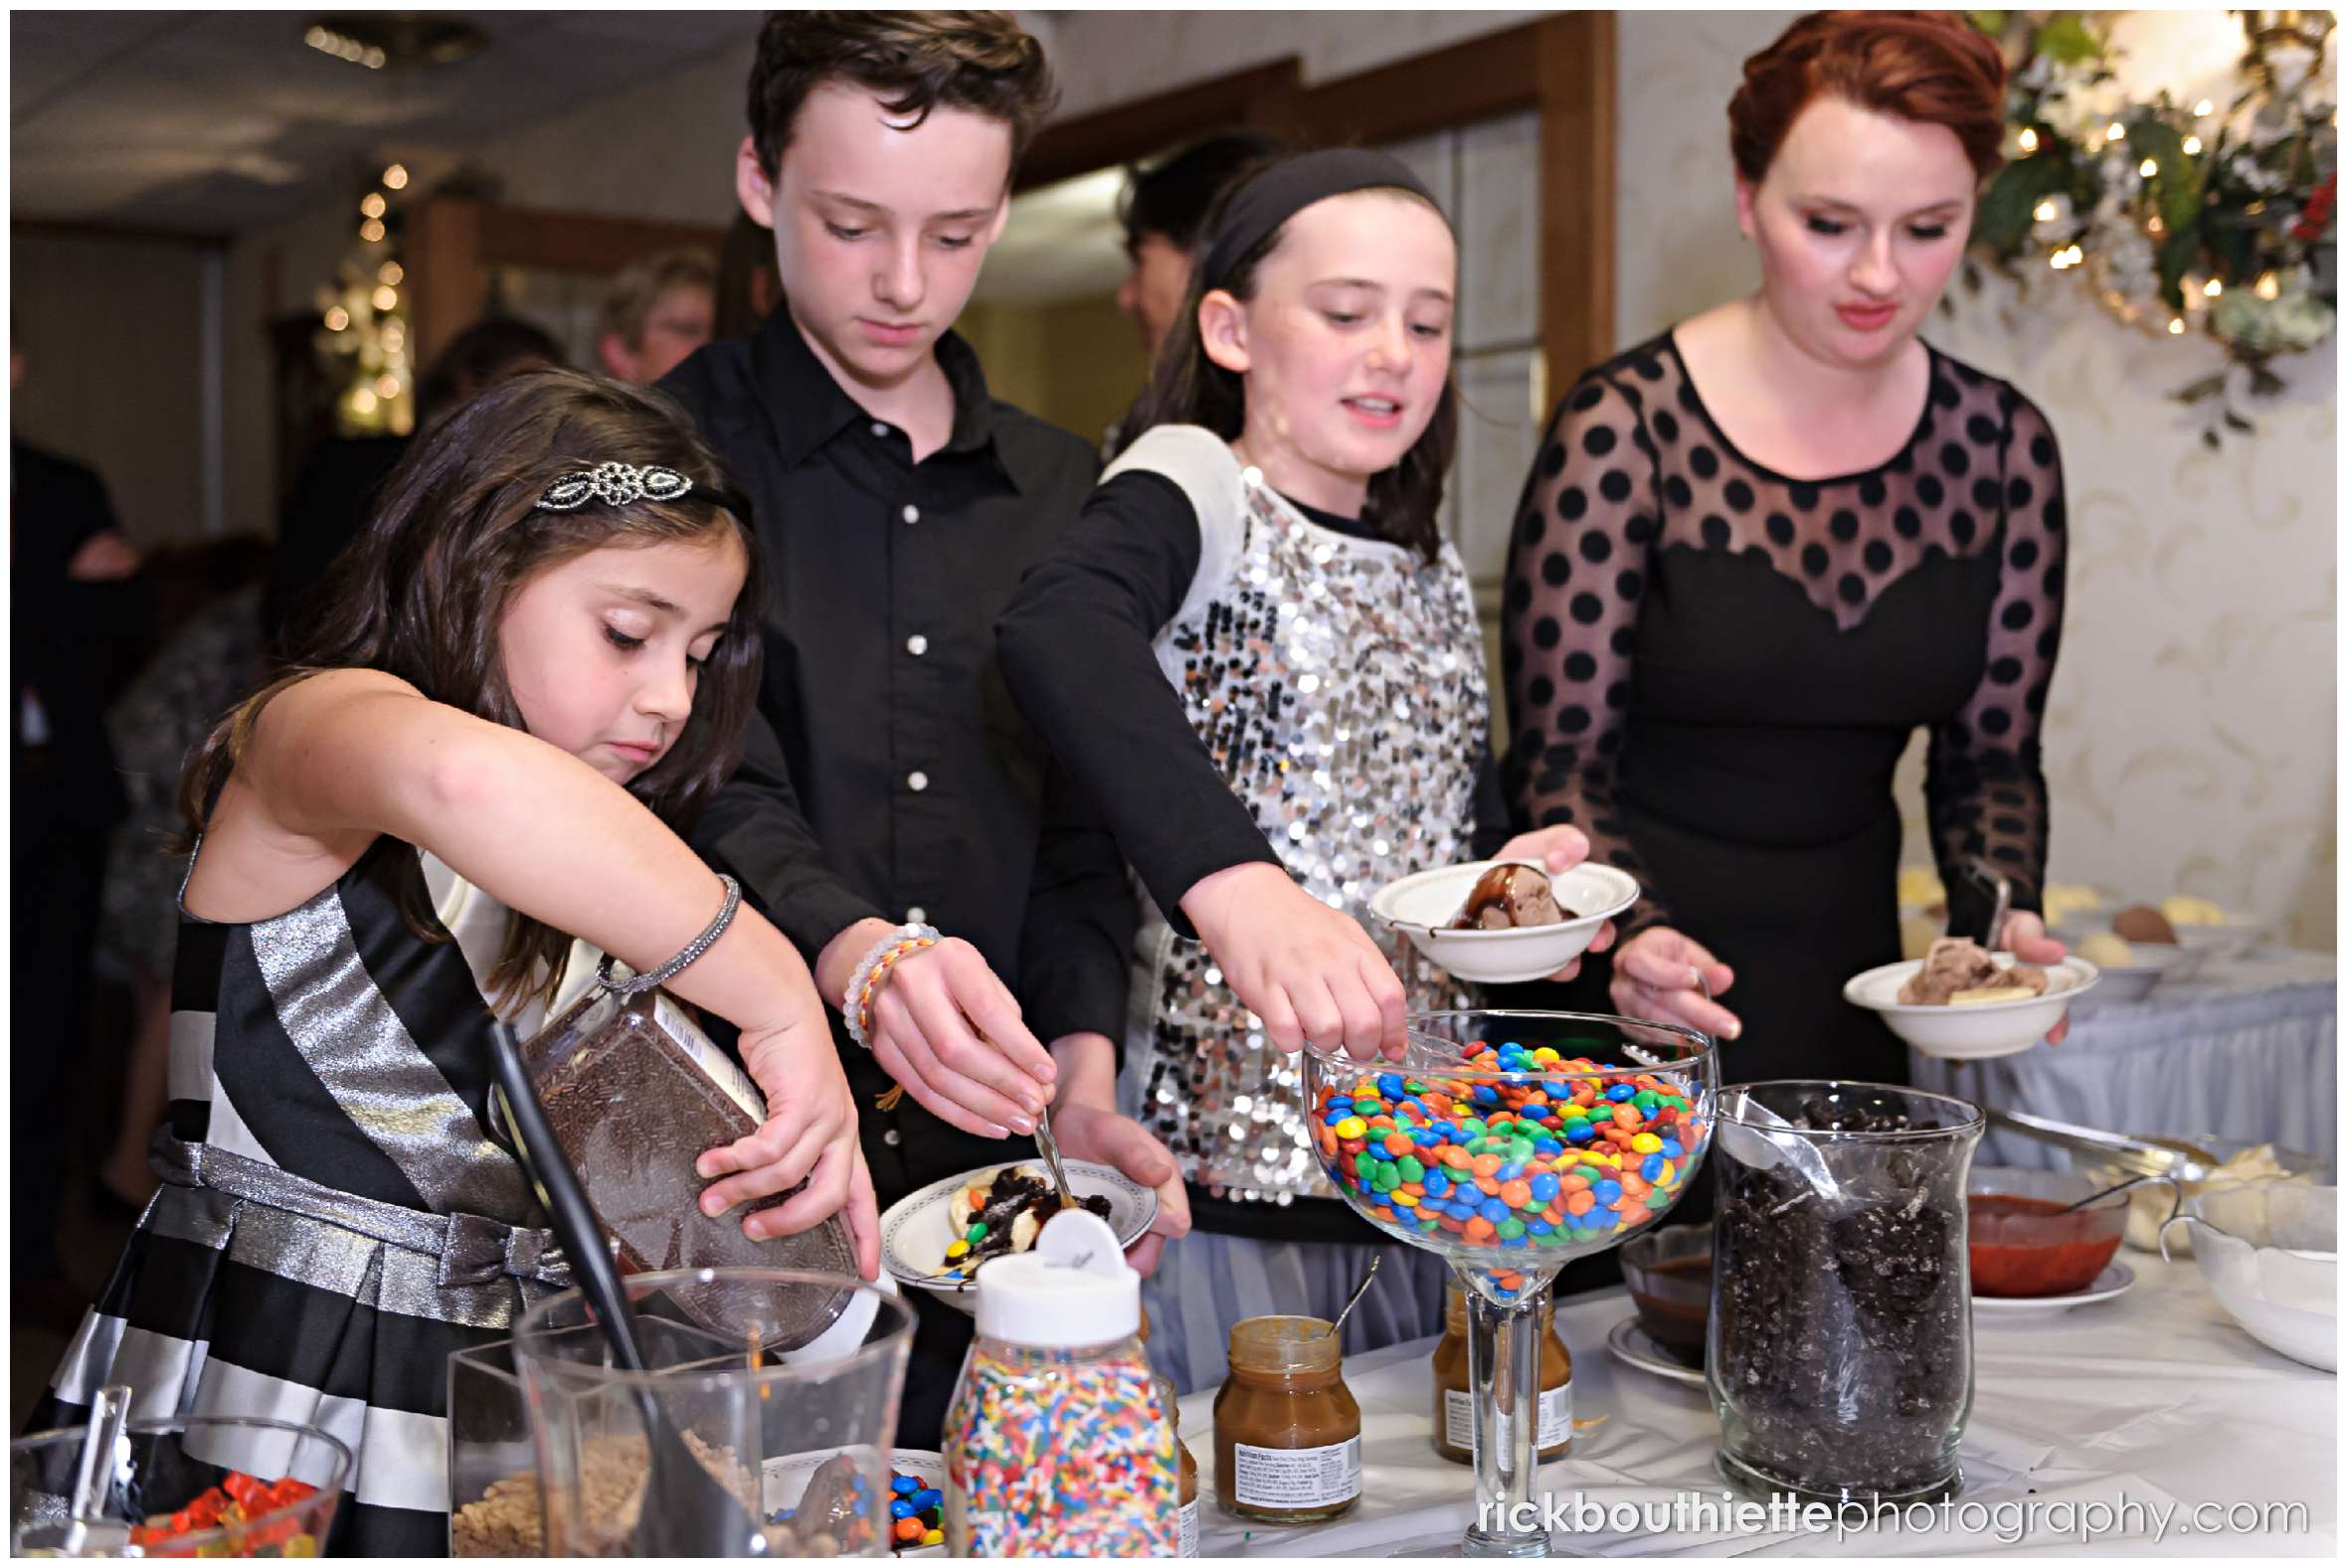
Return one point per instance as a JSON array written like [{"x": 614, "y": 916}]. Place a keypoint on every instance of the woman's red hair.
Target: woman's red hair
[{"x": 1930, "y": 66}]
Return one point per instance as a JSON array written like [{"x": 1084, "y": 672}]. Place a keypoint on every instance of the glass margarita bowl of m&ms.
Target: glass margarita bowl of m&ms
[{"x": 1511, "y": 1144}]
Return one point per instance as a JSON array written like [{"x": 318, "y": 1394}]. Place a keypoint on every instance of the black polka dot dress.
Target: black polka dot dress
[{"x": 1711, "y": 669}]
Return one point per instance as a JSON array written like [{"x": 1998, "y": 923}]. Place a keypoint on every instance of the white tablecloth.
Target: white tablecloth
[
  {"x": 2247, "y": 1049},
  {"x": 2154, "y": 1398}
]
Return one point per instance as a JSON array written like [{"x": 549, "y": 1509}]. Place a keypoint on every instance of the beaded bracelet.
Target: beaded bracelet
[
  {"x": 862, "y": 986},
  {"x": 676, "y": 965},
  {"x": 879, "y": 974}
]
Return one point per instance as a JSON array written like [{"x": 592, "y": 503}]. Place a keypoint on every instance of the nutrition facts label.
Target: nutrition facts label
[
  {"x": 1296, "y": 1478},
  {"x": 719, "y": 1066},
  {"x": 1557, "y": 1419},
  {"x": 1189, "y": 1530}
]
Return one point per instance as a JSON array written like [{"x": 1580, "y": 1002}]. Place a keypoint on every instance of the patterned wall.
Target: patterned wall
[{"x": 2191, "y": 736}]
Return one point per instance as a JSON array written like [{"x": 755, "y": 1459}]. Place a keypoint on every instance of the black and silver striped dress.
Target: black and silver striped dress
[{"x": 334, "y": 1218}]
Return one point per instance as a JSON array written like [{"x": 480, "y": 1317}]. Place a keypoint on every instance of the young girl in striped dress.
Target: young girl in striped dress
[{"x": 535, "y": 663}]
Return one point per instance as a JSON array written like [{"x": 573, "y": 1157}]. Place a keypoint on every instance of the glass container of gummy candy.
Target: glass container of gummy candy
[
  {"x": 1511, "y": 1144},
  {"x": 183, "y": 1487},
  {"x": 636, "y": 1093},
  {"x": 1840, "y": 1354}
]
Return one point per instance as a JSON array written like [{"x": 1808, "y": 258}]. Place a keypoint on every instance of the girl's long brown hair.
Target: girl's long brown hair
[
  {"x": 1186, "y": 386},
  {"x": 421, "y": 592}
]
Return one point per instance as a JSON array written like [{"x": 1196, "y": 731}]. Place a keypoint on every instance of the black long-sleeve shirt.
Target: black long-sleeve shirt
[
  {"x": 1076, "y": 645},
  {"x": 888, "y": 771}
]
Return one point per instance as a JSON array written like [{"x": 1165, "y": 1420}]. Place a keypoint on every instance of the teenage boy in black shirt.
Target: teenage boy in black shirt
[{"x": 890, "y": 780}]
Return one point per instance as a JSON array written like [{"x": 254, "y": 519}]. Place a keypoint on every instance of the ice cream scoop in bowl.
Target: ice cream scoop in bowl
[
  {"x": 1561, "y": 918},
  {"x": 1967, "y": 1006},
  {"x": 1510, "y": 1144}
]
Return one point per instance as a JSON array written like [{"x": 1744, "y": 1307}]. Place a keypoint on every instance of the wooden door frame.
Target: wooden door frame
[
  {"x": 453, "y": 242},
  {"x": 1561, "y": 66}
]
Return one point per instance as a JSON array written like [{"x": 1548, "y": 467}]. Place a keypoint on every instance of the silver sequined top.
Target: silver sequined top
[{"x": 1339, "y": 685}]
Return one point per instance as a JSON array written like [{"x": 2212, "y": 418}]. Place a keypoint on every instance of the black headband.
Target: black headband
[{"x": 1278, "y": 192}]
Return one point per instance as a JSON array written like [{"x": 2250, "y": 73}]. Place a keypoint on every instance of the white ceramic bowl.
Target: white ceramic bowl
[
  {"x": 2149, "y": 1205},
  {"x": 1983, "y": 1030},
  {"x": 916, "y": 1229},
  {"x": 2151, "y": 964},
  {"x": 2270, "y": 1252},
  {"x": 1421, "y": 908},
  {"x": 787, "y": 1478},
  {"x": 2215, "y": 944}
]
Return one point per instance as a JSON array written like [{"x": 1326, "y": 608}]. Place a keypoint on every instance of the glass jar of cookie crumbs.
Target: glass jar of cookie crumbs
[{"x": 1840, "y": 1356}]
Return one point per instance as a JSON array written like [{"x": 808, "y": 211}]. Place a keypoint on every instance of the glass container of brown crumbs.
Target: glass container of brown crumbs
[{"x": 1287, "y": 1432}]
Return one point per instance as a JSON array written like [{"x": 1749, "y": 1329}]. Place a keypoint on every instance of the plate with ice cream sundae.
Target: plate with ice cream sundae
[
  {"x": 1499, "y": 921},
  {"x": 937, "y": 1239},
  {"x": 1963, "y": 1002}
]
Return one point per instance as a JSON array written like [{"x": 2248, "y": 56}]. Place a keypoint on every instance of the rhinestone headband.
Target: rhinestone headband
[{"x": 614, "y": 484}]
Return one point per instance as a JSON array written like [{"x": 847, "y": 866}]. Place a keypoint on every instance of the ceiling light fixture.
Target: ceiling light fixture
[{"x": 391, "y": 39}]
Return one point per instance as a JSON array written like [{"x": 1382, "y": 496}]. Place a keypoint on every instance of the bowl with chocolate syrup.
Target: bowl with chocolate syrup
[{"x": 1502, "y": 922}]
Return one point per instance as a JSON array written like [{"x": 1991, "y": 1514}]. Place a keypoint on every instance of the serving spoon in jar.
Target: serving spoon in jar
[{"x": 1358, "y": 1291}]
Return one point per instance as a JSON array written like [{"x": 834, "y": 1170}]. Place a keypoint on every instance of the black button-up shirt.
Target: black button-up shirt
[{"x": 889, "y": 773}]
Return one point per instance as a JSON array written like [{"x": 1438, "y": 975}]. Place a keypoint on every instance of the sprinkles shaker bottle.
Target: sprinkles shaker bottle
[{"x": 1057, "y": 1444}]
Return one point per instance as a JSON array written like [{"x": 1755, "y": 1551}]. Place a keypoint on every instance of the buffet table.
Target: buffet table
[
  {"x": 2247, "y": 1049},
  {"x": 2154, "y": 1399}
]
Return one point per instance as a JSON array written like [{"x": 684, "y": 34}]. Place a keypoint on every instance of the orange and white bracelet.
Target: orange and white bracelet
[{"x": 856, "y": 1004}]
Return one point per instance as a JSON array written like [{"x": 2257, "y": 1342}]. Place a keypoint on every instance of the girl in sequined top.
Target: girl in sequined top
[{"x": 1262, "y": 660}]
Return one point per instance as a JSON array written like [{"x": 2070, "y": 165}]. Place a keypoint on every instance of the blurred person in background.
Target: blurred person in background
[
  {"x": 656, "y": 313},
  {"x": 77, "y": 609},
  {"x": 327, "y": 504},
  {"x": 1163, "y": 207},
  {"x": 212, "y": 653}
]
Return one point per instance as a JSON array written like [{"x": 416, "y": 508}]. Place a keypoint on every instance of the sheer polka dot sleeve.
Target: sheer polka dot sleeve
[
  {"x": 1577, "y": 571},
  {"x": 1985, "y": 786}
]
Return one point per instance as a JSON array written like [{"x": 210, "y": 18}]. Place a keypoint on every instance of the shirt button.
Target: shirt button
[
  {"x": 912, "y": 514},
  {"x": 917, "y": 916},
  {"x": 916, "y": 780},
  {"x": 916, "y": 644},
  {"x": 880, "y": 430},
  {"x": 890, "y": 1139}
]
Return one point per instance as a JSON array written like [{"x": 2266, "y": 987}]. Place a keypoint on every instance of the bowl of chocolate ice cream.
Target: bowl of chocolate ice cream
[
  {"x": 1963, "y": 1002},
  {"x": 1500, "y": 922}
]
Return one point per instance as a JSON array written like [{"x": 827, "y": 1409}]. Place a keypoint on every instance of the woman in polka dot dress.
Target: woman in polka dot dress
[{"x": 1758, "y": 551}]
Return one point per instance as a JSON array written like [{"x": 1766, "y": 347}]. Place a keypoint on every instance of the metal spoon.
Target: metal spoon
[
  {"x": 2132, "y": 1181},
  {"x": 1747, "y": 1130},
  {"x": 89, "y": 1531},
  {"x": 2149, "y": 1155},
  {"x": 1049, "y": 1144},
  {"x": 1359, "y": 1291}
]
